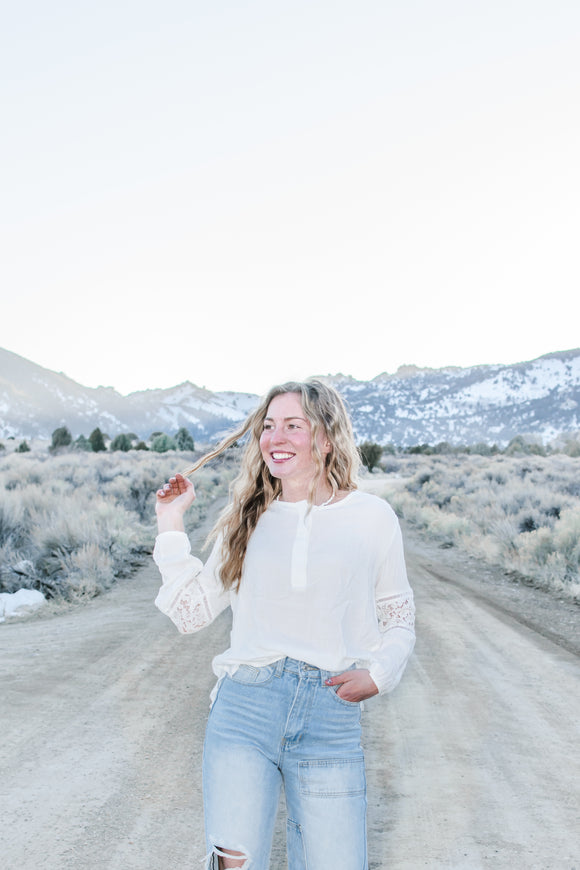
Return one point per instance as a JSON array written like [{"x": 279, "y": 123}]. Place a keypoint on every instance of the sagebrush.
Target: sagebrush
[
  {"x": 522, "y": 513},
  {"x": 71, "y": 524}
]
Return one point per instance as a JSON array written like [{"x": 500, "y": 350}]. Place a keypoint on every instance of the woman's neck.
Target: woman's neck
[{"x": 295, "y": 491}]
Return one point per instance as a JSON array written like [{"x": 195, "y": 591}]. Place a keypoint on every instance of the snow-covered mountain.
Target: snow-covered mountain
[{"x": 490, "y": 403}]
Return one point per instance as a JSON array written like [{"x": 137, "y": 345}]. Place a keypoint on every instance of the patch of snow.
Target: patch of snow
[
  {"x": 19, "y": 603},
  {"x": 244, "y": 402},
  {"x": 510, "y": 385}
]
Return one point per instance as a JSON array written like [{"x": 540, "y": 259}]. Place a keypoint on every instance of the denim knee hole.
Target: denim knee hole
[{"x": 214, "y": 856}]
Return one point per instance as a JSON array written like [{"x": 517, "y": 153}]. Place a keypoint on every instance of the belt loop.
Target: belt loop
[{"x": 280, "y": 665}]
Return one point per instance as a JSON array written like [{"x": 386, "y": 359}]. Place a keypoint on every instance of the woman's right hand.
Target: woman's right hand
[{"x": 173, "y": 499}]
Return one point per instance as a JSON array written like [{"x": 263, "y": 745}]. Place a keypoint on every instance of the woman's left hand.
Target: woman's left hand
[{"x": 355, "y": 685}]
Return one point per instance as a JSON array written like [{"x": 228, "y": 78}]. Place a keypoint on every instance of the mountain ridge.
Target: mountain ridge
[{"x": 483, "y": 403}]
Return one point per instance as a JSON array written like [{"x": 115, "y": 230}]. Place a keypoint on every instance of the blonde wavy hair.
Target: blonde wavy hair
[{"x": 254, "y": 489}]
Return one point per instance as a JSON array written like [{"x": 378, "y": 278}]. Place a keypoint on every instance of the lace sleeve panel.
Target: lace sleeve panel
[
  {"x": 191, "y": 611},
  {"x": 396, "y": 611}
]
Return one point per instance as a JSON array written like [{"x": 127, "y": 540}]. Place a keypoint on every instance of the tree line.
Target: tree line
[
  {"x": 371, "y": 452},
  {"x": 159, "y": 442}
]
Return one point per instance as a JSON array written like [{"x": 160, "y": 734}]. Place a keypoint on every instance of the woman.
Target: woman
[{"x": 322, "y": 619}]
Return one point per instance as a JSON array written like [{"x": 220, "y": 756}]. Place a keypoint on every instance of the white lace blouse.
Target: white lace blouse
[{"x": 327, "y": 586}]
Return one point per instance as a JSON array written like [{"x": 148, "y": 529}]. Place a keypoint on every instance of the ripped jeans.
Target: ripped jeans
[{"x": 281, "y": 724}]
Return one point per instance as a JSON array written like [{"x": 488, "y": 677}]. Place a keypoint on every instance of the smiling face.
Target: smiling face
[{"x": 286, "y": 444}]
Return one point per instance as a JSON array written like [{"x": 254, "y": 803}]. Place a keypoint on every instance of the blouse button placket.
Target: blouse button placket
[{"x": 299, "y": 567}]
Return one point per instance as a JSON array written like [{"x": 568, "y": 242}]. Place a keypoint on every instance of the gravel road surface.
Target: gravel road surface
[{"x": 472, "y": 762}]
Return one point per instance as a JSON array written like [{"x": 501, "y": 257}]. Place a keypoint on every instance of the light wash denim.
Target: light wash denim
[{"x": 282, "y": 724}]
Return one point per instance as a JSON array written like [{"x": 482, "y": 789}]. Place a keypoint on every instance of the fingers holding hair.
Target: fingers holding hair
[{"x": 174, "y": 487}]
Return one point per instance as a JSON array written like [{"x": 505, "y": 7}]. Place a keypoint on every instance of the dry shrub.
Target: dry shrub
[
  {"x": 86, "y": 572},
  {"x": 72, "y": 524},
  {"x": 522, "y": 513},
  {"x": 553, "y": 555}
]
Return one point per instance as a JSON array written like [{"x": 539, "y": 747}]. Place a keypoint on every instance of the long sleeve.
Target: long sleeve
[
  {"x": 192, "y": 594},
  {"x": 395, "y": 614}
]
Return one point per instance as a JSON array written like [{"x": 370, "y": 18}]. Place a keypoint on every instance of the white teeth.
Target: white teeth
[{"x": 282, "y": 455}]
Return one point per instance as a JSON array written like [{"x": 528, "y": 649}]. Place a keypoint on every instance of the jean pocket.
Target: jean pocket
[
  {"x": 248, "y": 675},
  {"x": 334, "y": 691},
  {"x": 332, "y": 777}
]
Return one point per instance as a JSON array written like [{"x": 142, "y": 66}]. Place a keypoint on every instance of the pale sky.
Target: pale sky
[{"x": 239, "y": 193}]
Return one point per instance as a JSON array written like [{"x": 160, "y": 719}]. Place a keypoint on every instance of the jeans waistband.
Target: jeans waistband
[{"x": 304, "y": 669}]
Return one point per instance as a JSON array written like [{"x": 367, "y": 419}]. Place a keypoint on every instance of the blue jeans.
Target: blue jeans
[{"x": 281, "y": 723}]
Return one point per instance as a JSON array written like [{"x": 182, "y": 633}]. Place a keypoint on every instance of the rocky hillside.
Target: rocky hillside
[{"x": 490, "y": 403}]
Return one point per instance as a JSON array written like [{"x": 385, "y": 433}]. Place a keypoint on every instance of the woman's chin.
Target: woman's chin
[{"x": 278, "y": 469}]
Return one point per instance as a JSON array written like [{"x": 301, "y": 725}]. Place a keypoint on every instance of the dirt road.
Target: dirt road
[{"x": 472, "y": 762}]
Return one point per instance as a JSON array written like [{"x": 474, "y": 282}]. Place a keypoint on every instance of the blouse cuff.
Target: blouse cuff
[
  {"x": 171, "y": 546},
  {"x": 386, "y": 669},
  {"x": 380, "y": 678}
]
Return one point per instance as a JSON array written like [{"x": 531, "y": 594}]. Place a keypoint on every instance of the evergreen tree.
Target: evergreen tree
[
  {"x": 121, "y": 442},
  {"x": 97, "y": 441},
  {"x": 423, "y": 449},
  {"x": 23, "y": 447},
  {"x": 61, "y": 437},
  {"x": 83, "y": 443},
  {"x": 162, "y": 443},
  {"x": 184, "y": 440},
  {"x": 370, "y": 453}
]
